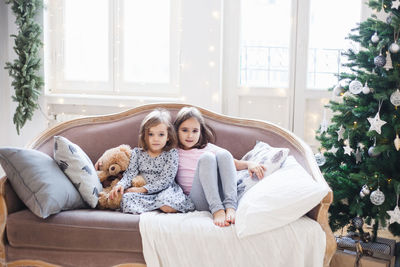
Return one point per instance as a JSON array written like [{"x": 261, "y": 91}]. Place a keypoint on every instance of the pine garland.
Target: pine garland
[{"x": 24, "y": 70}]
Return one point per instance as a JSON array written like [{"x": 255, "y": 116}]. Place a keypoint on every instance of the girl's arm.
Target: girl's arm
[
  {"x": 167, "y": 175},
  {"x": 131, "y": 171},
  {"x": 254, "y": 168}
]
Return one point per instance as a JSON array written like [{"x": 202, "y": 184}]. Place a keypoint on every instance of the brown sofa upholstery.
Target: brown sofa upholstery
[{"x": 91, "y": 237}]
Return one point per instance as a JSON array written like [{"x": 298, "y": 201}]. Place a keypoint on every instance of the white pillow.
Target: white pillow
[
  {"x": 79, "y": 168},
  {"x": 279, "y": 199},
  {"x": 262, "y": 153}
]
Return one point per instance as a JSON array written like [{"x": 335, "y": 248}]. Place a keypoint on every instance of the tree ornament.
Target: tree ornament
[
  {"x": 340, "y": 132},
  {"x": 376, "y": 122},
  {"x": 395, "y": 98},
  {"x": 377, "y": 197},
  {"x": 355, "y": 87},
  {"x": 366, "y": 90},
  {"x": 347, "y": 149},
  {"x": 372, "y": 152},
  {"x": 397, "y": 142},
  {"x": 389, "y": 19},
  {"x": 357, "y": 222},
  {"x": 365, "y": 189},
  {"x": 394, "y": 48},
  {"x": 320, "y": 158},
  {"x": 324, "y": 124},
  {"x": 375, "y": 38},
  {"x": 333, "y": 150},
  {"x": 388, "y": 65},
  {"x": 394, "y": 214},
  {"x": 395, "y": 4},
  {"x": 338, "y": 90},
  {"x": 380, "y": 61},
  {"x": 358, "y": 156}
]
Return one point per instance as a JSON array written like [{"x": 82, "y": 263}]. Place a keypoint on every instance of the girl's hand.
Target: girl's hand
[
  {"x": 257, "y": 169},
  {"x": 137, "y": 190},
  {"x": 97, "y": 166},
  {"x": 119, "y": 189}
]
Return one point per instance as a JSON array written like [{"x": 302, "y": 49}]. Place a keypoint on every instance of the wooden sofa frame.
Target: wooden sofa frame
[{"x": 318, "y": 213}]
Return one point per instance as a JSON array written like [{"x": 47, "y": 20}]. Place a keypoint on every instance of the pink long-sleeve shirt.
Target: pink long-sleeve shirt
[{"x": 188, "y": 163}]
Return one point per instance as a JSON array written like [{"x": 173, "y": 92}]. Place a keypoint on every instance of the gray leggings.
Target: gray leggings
[{"x": 214, "y": 184}]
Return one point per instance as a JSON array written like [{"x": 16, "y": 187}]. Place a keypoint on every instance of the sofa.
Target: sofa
[{"x": 88, "y": 237}]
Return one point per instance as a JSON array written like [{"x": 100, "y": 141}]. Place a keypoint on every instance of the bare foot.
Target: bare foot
[
  {"x": 219, "y": 218},
  {"x": 230, "y": 215},
  {"x": 167, "y": 209}
]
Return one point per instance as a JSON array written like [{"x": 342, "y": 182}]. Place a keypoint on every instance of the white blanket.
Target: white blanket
[{"x": 191, "y": 239}]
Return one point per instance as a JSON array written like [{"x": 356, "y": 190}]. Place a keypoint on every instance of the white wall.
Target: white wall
[{"x": 8, "y": 133}]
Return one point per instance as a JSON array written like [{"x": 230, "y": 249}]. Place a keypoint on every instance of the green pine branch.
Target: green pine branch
[{"x": 24, "y": 69}]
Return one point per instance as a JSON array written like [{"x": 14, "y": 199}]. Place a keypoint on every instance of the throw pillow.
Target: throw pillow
[
  {"x": 79, "y": 169},
  {"x": 262, "y": 153},
  {"x": 285, "y": 196},
  {"x": 39, "y": 182}
]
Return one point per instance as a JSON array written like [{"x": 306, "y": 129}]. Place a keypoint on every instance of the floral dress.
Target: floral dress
[{"x": 159, "y": 173}]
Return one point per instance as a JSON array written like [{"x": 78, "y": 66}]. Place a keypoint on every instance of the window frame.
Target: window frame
[{"x": 115, "y": 84}]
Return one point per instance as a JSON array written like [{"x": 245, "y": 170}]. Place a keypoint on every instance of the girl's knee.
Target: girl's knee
[
  {"x": 224, "y": 155},
  {"x": 207, "y": 158}
]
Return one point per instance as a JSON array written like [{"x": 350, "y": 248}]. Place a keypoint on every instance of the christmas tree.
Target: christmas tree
[{"x": 359, "y": 154}]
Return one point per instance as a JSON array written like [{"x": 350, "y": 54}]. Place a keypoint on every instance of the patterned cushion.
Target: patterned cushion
[
  {"x": 39, "y": 182},
  {"x": 79, "y": 169},
  {"x": 262, "y": 153}
]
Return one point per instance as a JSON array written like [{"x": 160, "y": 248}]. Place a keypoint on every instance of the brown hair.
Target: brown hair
[
  {"x": 152, "y": 119},
  {"x": 206, "y": 132}
]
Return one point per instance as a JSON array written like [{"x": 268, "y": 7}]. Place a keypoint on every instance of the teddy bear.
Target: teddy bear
[{"x": 111, "y": 166}]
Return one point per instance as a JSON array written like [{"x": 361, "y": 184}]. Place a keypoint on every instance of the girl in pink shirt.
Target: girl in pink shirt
[{"x": 206, "y": 172}]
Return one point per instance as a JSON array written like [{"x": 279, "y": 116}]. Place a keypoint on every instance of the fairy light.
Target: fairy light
[
  {"x": 211, "y": 48},
  {"x": 211, "y": 64},
  {"x": 215, "y": 14},
  {"x": 215, "y": 97},
  {"x": 61, "y": 100}
]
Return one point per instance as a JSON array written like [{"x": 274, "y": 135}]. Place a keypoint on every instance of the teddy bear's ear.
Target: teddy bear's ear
[{"x": 126, "y": 149}]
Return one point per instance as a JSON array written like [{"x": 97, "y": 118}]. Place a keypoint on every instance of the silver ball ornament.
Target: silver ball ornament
[
  {"x": 320, "y": 158},
  {"x": 338, "y": 90},
  {"x": 362, "y": 195},
  {"x": 355, "y": 87},
  {"x": 394, "y": 48},
  {"x": 375, "y": 38},
  {"x": 372, "y": 152},
  {"x": 366, "y": 90},
  {"x": 377, "y": 197},
  {"x": 380, "y": 61},
  {"x": 365, "y": 189},
  {"x": 358, "y": 222}
]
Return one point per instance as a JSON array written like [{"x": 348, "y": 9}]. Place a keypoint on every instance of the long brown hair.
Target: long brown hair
[
  {"x": 206, "y": 132},
  {"x": 152, "y": 119}
]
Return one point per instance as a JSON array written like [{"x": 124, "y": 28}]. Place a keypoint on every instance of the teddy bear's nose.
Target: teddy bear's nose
[{"x": 112, "y": 168}]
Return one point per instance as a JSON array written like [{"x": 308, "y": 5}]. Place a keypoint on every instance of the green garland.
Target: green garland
[{"x": 24, "y": 70}]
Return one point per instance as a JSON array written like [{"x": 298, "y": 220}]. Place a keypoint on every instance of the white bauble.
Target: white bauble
[
  {"x": 375, "y": 38},
  {"x": 355, "y": 87},
  {"x": 320, "y": 158},
  {"x": 395, "y": 98},
  {"x": 377, "y": 197},
  {"x": 394, "y": 48},
  {"x": 366, "y": 90}
]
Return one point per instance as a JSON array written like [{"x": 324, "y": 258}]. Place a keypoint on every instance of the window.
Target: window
[
  {"x": 126, "y": 47},
  {"x": 327, "y": 34},
  {"x": 265, "y": 38}
]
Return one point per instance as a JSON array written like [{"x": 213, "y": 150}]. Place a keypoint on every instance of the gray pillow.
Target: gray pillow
[{"x": 39, "y": 182}]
